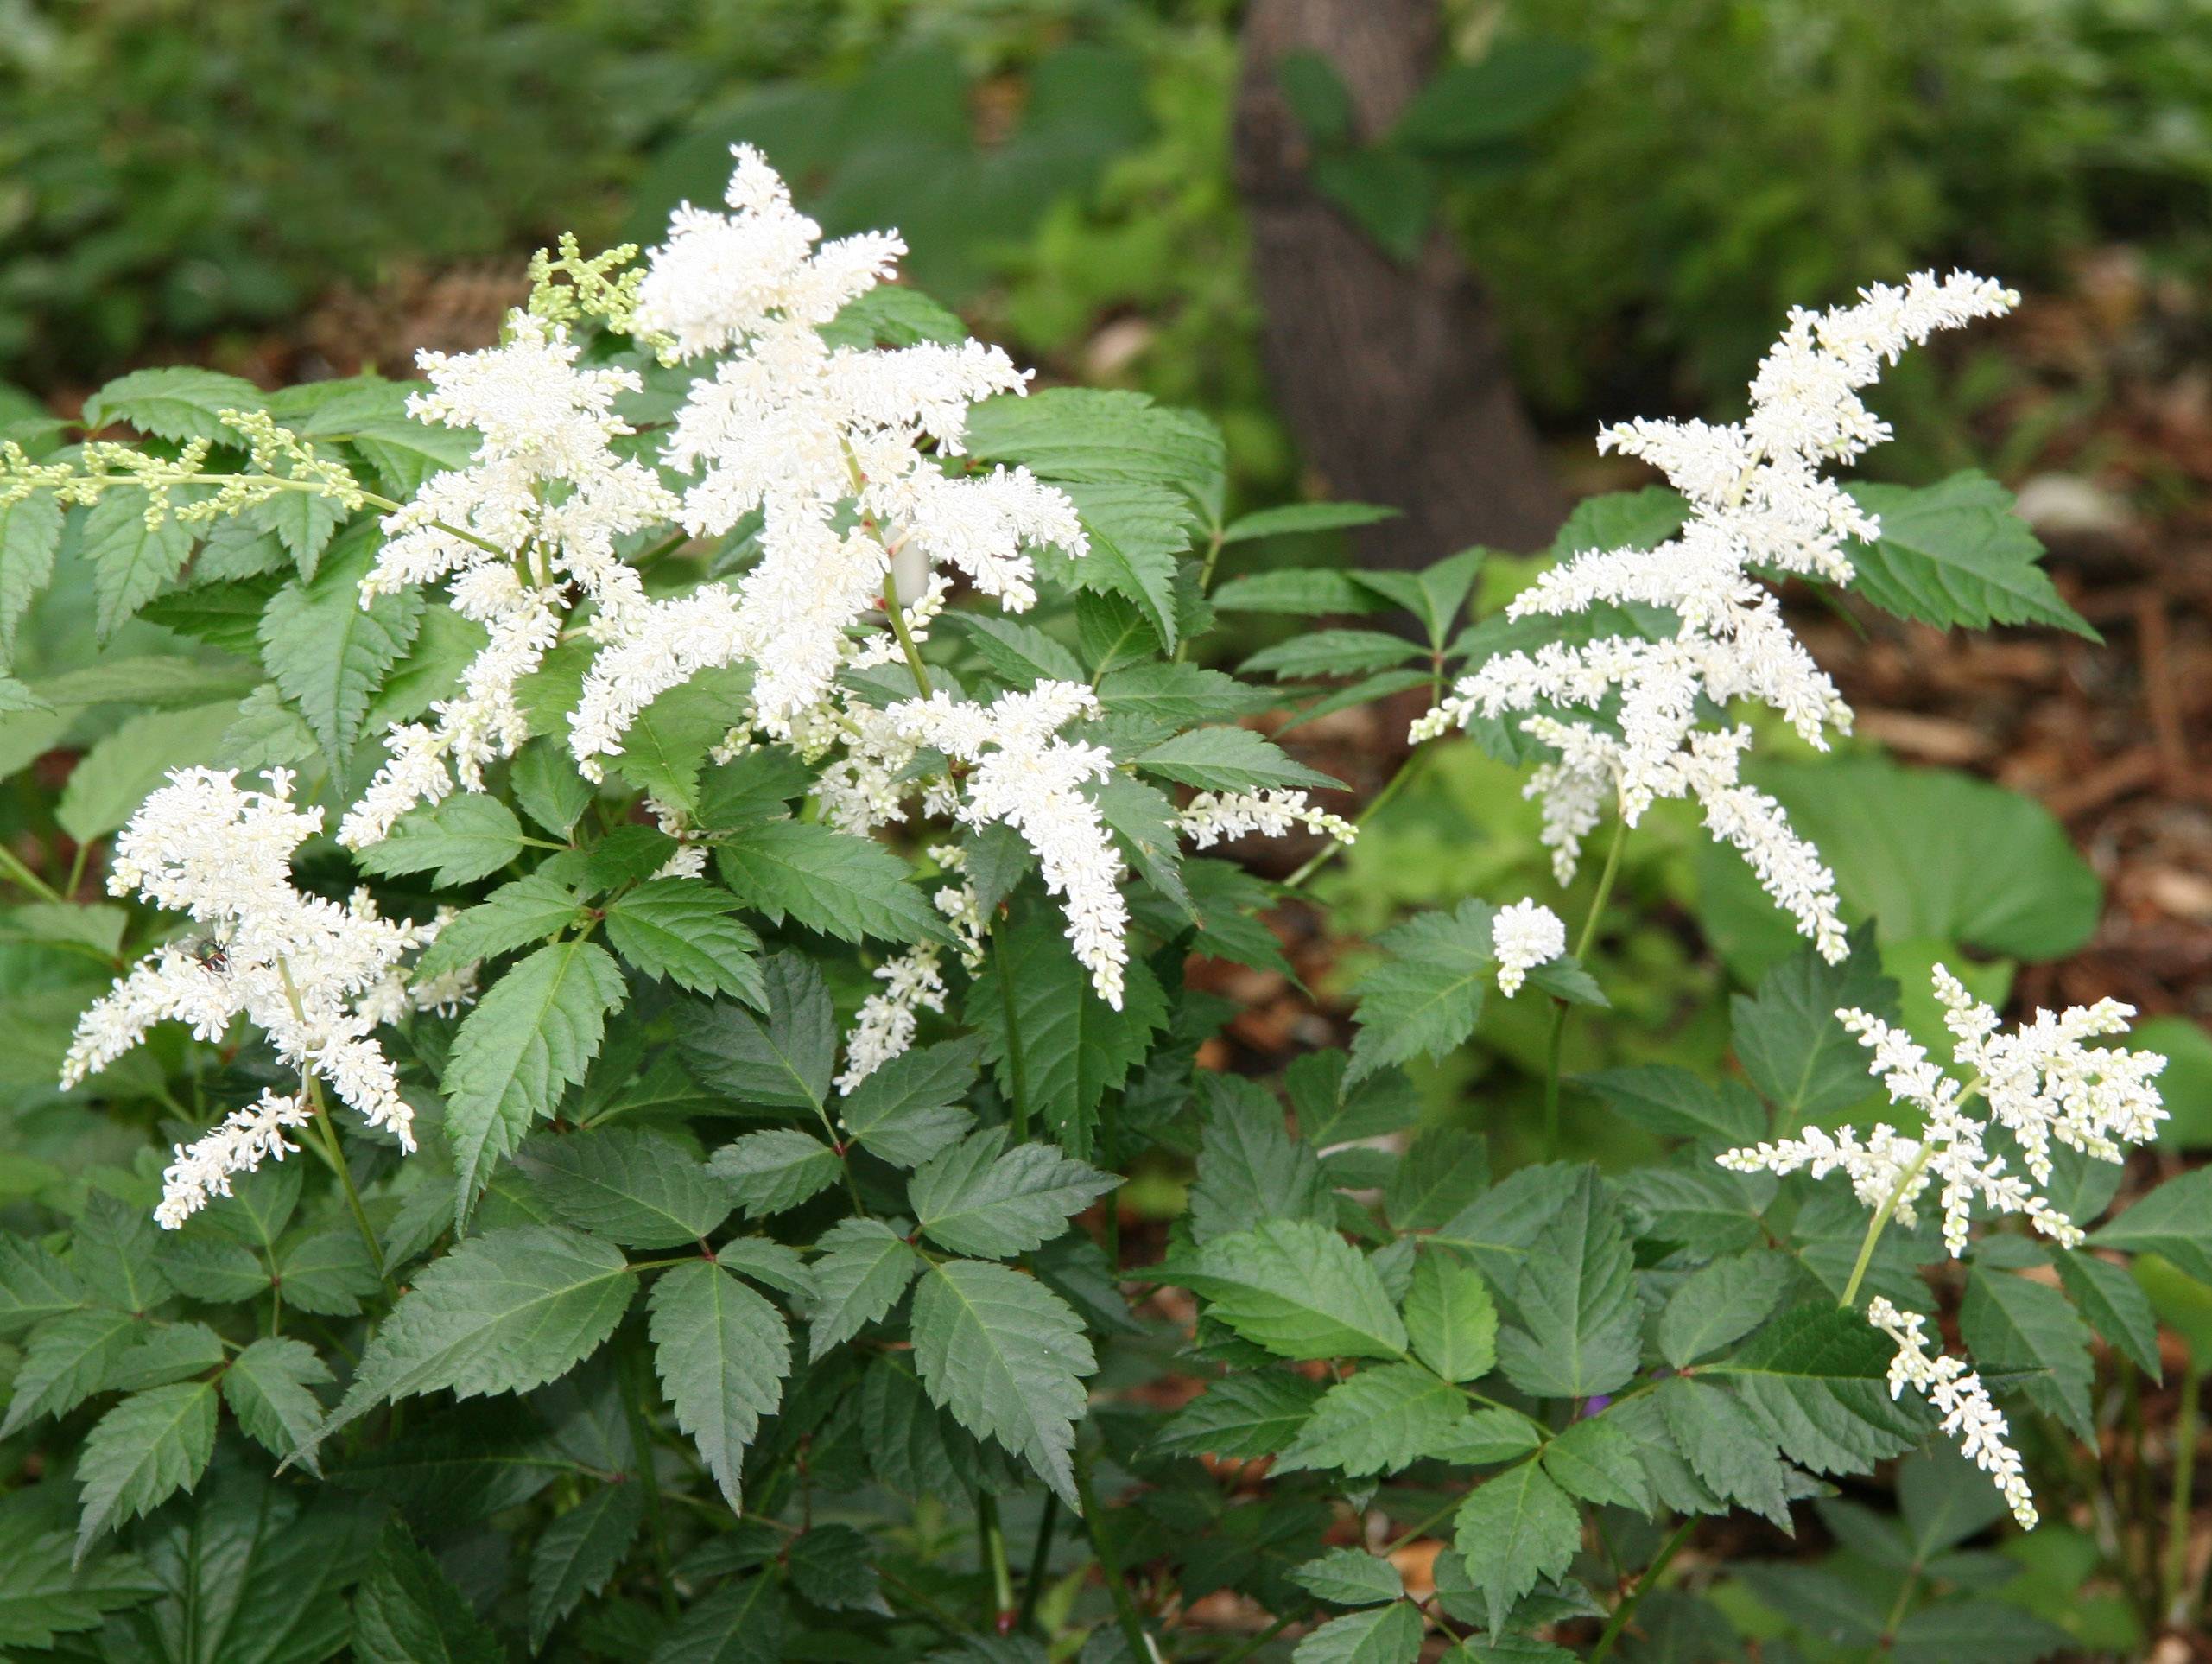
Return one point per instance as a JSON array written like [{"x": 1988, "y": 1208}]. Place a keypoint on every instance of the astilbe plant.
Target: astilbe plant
[{"x": 655, "y": 1213}]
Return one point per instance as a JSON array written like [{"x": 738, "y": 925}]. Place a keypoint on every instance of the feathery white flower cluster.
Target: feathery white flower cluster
[
  {"x": 1523, "y": 936},
  {"x": 1211, "y": 817},
  {"x": 1964, "y": 1402},
  {"x": 1758, "y": 505},
  {"x": 2041, "y": 1083},
  {"x": 884, "y": 1025},
  {"x": 829, "y": 444},
  {"x": 315, "y": 976},
  {"x": 518, "y": 534}
]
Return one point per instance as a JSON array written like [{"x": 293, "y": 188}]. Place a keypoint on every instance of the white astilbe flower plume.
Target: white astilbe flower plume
[
  {"x": 1524, "y": 935},
  {"x": 1759, "y": 502},
  {"x": 831, "y": 445},
  {"x": 2041, "y": 1083},
  {"x": 1023, "y": 774},
  {"x": 1212, "y": 818},
  {"x": 1964, "y": 1403},
  {"x": 315, "y": 976},
  {"x": 519, "y": 535}
]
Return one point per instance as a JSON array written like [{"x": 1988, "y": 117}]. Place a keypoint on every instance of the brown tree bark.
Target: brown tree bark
[{"x": 1393, "y": 377}]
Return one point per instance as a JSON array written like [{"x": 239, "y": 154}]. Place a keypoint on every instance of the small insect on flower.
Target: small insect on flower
[{"x": 210, "y": 953}]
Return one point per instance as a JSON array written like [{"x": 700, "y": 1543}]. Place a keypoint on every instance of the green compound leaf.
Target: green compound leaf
[
  {"x": 864, "y": 1267},
  {"x": 1350, "y": 1577},
  {"x": 782, "y": 1063},
  {"x": 909, "y": 1109},
  {"x": 529, "y": 1040},
  {"x": 177, "y": 401},
  {"x": 270, "y": 1389},
  {"x": 1451, "y": 1320},
  {"x": 721, "y": 1352},
  {"x": 1384, "y": 1635},
  {"x": 768, "y": 1172},
  {"x": 1244, "y": 1416},
  {"x": 1380, "y": 1420},
  {"x": 1230, "y": 759},
  {"x": 849, "y": 887},
  {"x": 1007, "y": 1357},
  {"x": 1428, "y": 995}
]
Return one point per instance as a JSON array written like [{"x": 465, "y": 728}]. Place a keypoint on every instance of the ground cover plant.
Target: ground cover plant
[{"x": 596, "y": 1001}]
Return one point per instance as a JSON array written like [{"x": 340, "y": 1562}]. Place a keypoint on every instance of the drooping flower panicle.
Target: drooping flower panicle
[
  {"x": 1758, "y": 504},
  {"x": 1959, "y": 1396},
  {"x": 316, "y": 976}
]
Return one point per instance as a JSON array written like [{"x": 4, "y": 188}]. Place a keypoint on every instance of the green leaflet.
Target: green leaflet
[
  {"x": 1955, "y": 553},
  {"x": 148, "y": 1446},
  {"x": 1297, "y": 1289},
  {"x": 528, "y": 1038},
  {"x": 641, "y": 1189},
  {"x": 1380, "y": 1420},
  {"x": 579, "y": 1551},
  {"x": 1580, "y": 1328},
  {"x": 1255, "y": 1413},
  {"x": 864, "y": 1267},
  {"x": 131, "y": 560},
  {"x": 909, "y": 1109},
  {"x": 1249, "y": 1166},
  {"x": 845, "y": 886},
  {"x": 177, "y": 401},
  {"x": 721, "y": 1352},
  {"x": 1386, "y": 1635},
  {"x": 980, "y": 1198},
  {"x": 1516, "y": 1529},
  {"x": 680, "y": 928},
  {"x": 1450, "y": 1318},
  {"x": 407, "y": 1612},
  {"x": 781, "y": 1063},
  {"x": 1350, "y": 1577},
  {"x": 328, "y": 652},
  {"x": 1007, "y": 1357},
  {"x": 456, "y": 841},
  {"x": 270, "y": 1389},
  {"x": 502, "y": 1312}
]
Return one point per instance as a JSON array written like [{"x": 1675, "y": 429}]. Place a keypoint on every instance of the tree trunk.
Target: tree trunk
[{"x": 1394, "y": 379}]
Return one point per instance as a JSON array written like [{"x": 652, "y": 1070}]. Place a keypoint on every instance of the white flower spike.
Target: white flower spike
[
  {"x": 1525, "y": 935},
  {"x": 1758, "y": 504}
]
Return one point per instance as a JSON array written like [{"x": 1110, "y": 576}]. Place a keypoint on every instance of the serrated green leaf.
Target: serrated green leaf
[
  {"x": 665, "y": 746},
  {"x": 1581, "y": 1328},
  {"x": 303, "y": 521},
  {"x": 328, "y": 652},
  {"x": 179, "y": 401},
  {"x": 1068, "y": 433},
  {"x": 1299, "y": 1290},
  {"x": 1443, "y": 1170},
  {"x": 1384, "y": 1635},
  {"x": 980, "y": 1198},
  {"x": 35, "y": 1283},
  {"x": 30, "y": 532},
  {"x": 1516, "y": 1529},
  {"x": 1137, "y": 533},
  {"x": 1450, "y": 1318},
  {"x": 1350, "y": 1577},
  {"x": 722, "y": 1352},
  {"x": 1331, "y": 652},
  {"x": 2115, "y": 1305},
  {"x": 846, "y": 886},
  {"x": 1596, "y": 1461},
  {"x": 1954, "y": 555},
  {"x": 530, "y": 1037},
  {"x": 768, "y": 1172},
  {"x": 269, "y": 1386},
  {"x": 2009, "y": 1323},
  {"x": 776, "y": 1264},
  {"x": 504, "y": 1312},
  {"x": 1062, "y": 1048},
  {"x": 1229, "y": 760},
  {"x": 1249, "y": 1166},
  {"x": 1302, "y": 517},
  {"x": 1725, "y": 1446},
  {"x": 1019, "y": 653},
  {"x": 641, "y": 1189},
  {"x": 168, "y": 1353},
  {"x": 513, "y": 916},
  {"x": 1673, "y": 1102},
  {"x": 1312, "y": 592},
  {"x": 680, "y": 928},
  {"x": 739, "y": 1623},
  {"x": 1719, "y": 1303},
  {"x": 2175, "y": 1220},
  {"x": 407, "y": 1612},
  {"x": 864, "y": 1267},
  {"x": 1379, "y": 1421},
  {"x": 1816, "y": 1378},
  {"x": 130, "y": 560},
  {"x": 142, "y": 1451},
  {"x": 456, "y": 841},
  {"x": 1790, "y": 1041},
  {"x": 46, "y": 1596},
  {"x": 1005, "y": 1355},
  {"x": 782, "y": 1063},
  {"x": 1975, "y": 1631},
  {"x": 327, "y": 1272},
  {"x": 224, "y": 615},
  {"x": 1255, "y": 1413},
  {"x": 908, "y": 1109},
  {"x": 579, "y": 1551},
  {"x": 1427, "y": 996},
  {"x": 65, "y": 1361}
]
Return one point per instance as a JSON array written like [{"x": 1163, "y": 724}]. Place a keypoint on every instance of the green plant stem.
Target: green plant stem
[
  {"x": 1040, "y": 1560},
  {"x": 1125, "y": 1608},
  {"x": 334, "y": 1153},
  {"x": 1875, "y": 1225},
  {"x": 1423, "y": 1528},
  {"x": 1882, "y": 1648},
  {"x": 1205, "y": 585},
  {"x": 1556, "y": 1039},
  {"x": 991, "y": 1540},
  {"x": 12, "y": 865},
  {"x": 77, "y": 868},
  {"x": 1376, "y": 804},
  {"x": 932, "y": 1614},
  {"x": 649, "y": 1481},
  {"x": 2187, "y": 1425},
  {"x": 1627, "y": 1610},
  {"x": 1020, "y": 1106},
  {"x": 906, "y": 640}
]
